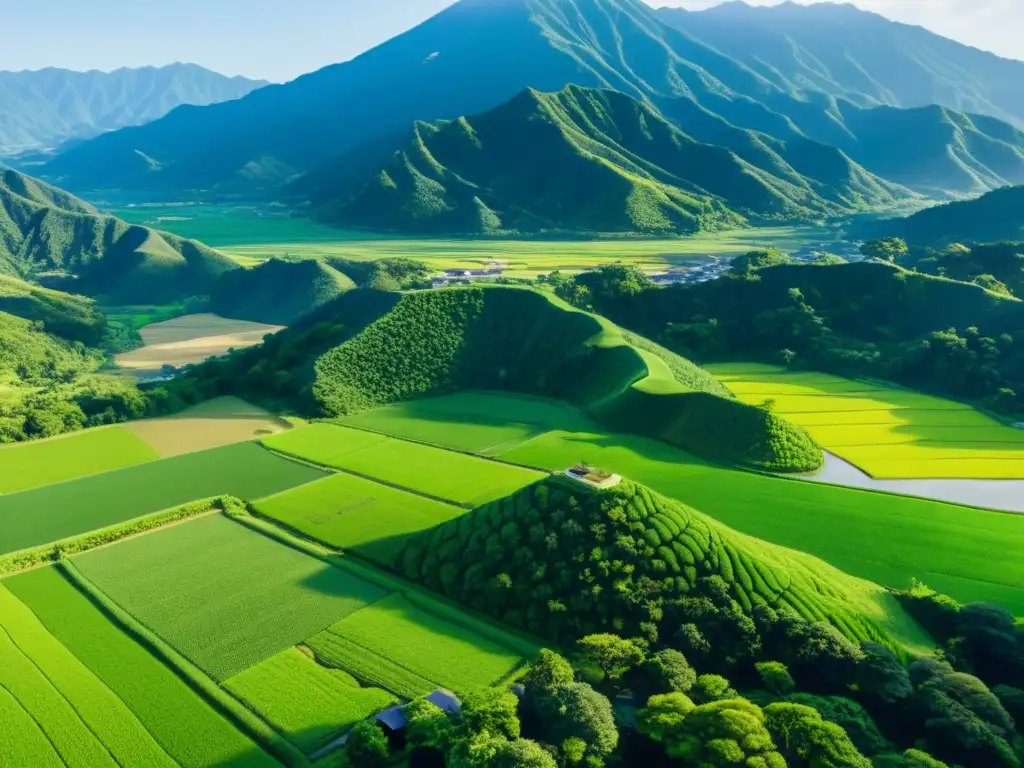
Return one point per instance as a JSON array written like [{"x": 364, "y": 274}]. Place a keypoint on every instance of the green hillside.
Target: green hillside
[
  {"x": 563, "y": 561},
  {"x": 996, "y": 216},
  {"x": 369, "y": 349},
  {"x": 277, "y": 292},
  {"x": 66, "y": 315},
  {"x": 865, "y": 319},
  {"x": 47, "y": 234},
  {"x": 583, "y": 160}
]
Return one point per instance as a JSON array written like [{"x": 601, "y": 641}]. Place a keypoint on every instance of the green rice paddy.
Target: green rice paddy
[
  {"x": 222, "y": 595},
  {"x": 60, "y": 511},
  {"x": 81, "y": 721},
  {"x": 427, "y": 646},
  {"x": 179, "y": 720},
  {"x": 308, "y": 703},
  {"x": 887, "y": 432},
  {"x": 352, "y": 513},
  {"x": 30, "y": 465},
  {"x": 442, "y": 474}
]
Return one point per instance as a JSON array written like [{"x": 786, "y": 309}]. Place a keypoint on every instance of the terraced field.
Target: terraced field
[
  {"x": 353, "y": 513},
  {"x": 222, "y": 595},
  {"x": 56, "y": 512},
  {"x": 887, "y": 432},
  {"x": 446, "y": 475}
]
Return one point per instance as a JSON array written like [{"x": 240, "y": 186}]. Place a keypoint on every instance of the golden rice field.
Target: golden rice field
[{"x": 889, "y": 433}]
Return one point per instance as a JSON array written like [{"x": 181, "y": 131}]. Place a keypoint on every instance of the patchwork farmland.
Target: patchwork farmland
[{"x": 887, "y": 432}]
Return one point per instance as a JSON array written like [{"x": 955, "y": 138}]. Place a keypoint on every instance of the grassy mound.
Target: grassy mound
[
  {"x": 47, "y": 233},
  {"x": 563, "y": 561},
  {"x": 277, "y": 292},
  {"x": 529, "y": 342},
  {"x": 580, "y": 159}
]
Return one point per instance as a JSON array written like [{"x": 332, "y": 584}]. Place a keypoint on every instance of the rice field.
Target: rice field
[
  {"x": 887, "y": 432},
  {"x": 222, "y": 595},
  {"x": 432, "y": 471},
  {"x": 30, "y": 465},
  {"x": 212, "y": 424},
  {"x": 188, "y": 729},
  {"x": 307, "y": 703},
  {"x": 251, "y": 235},
  {"x": 349, "y": 512},
  {"x": 60, "y": 511},
  {"x": 480, "y": 422},
  {"x": 67, "y": 715},
  {"x": 423, "y": 644},
  {"x": 191, "y": 339}
]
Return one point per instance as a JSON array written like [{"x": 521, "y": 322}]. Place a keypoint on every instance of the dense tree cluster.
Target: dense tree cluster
[{"x": 866, "y": 319}]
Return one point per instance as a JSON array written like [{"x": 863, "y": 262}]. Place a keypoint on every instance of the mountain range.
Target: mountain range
[
  {"x": 479, "y": 54},
  {"x": 580, "y": 160},
  {"x": 994, "y": 217},
  {"x": 42, "y": 109},
  {"x": 50, "y": 237},
  {"x": 862, "y": 57}
]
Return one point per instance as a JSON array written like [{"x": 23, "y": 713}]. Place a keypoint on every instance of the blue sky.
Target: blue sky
[{"x": 279, "y": 40}]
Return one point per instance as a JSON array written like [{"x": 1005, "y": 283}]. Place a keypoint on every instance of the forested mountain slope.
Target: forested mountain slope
[
  {"x": 860, "y": 56},
  {"x": 998, "y": 215},
  {"x": 582, "y": 160},
  {"x": 41, "y": 109},
  {"x": 46, "y": 233},
  {"x": 369, "y": 348},
  {"x": 472, "y": 57}
]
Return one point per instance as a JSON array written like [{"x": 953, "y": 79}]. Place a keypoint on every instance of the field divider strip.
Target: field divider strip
[
  {"x": 243, "y": 718},
  {"x": 46, "y": 554}
]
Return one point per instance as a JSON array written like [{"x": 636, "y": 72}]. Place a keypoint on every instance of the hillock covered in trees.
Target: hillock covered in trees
[
  {"x": 277, "y": 292},
  {"x": 869, "y": 318},
  {"x": 48, "y": 235},
  {"x": 563, "y": 561},
  {"x": 369, "y": 349}
]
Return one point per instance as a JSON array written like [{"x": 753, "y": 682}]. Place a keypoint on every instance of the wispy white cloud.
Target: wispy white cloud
[{"x": 994, "y": 25}]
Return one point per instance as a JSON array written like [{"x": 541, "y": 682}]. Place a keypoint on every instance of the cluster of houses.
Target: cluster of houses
[
  {"x": 466, "y": 276},
  {"x": 686, "y": 275}
]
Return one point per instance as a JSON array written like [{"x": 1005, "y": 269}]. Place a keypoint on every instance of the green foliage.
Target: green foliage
[
  {"x": 726, "y": 732},
  {"x": 577, "y": 711},
  {"x": 491, "y": 710},
  {"x": 891, "y": 249},
  {"x": 367, "y": 745},
  {"x": 390, "y": 274},
  {"x": 850, "y": 716},
  {"x": 666, "y": 670},
  {"x": 755, "y": 260},
  {"x": 547, "y": 674},
  {"x": 522, "y": 753},
  {"x": 710, "y": 688},
  {"x": 805, "y": 739},
  {"x": 427, "y": 725},
  {"x": 277, "y": 292},
  {"x": 775, "y": 677},
  {"x": 912, "y": 758},
  {"x": 991, "y": 218},
  {"x": 610, "y": 653}
]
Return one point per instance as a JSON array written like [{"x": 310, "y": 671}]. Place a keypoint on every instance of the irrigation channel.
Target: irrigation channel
[{"x": 1003, "y": 495}]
